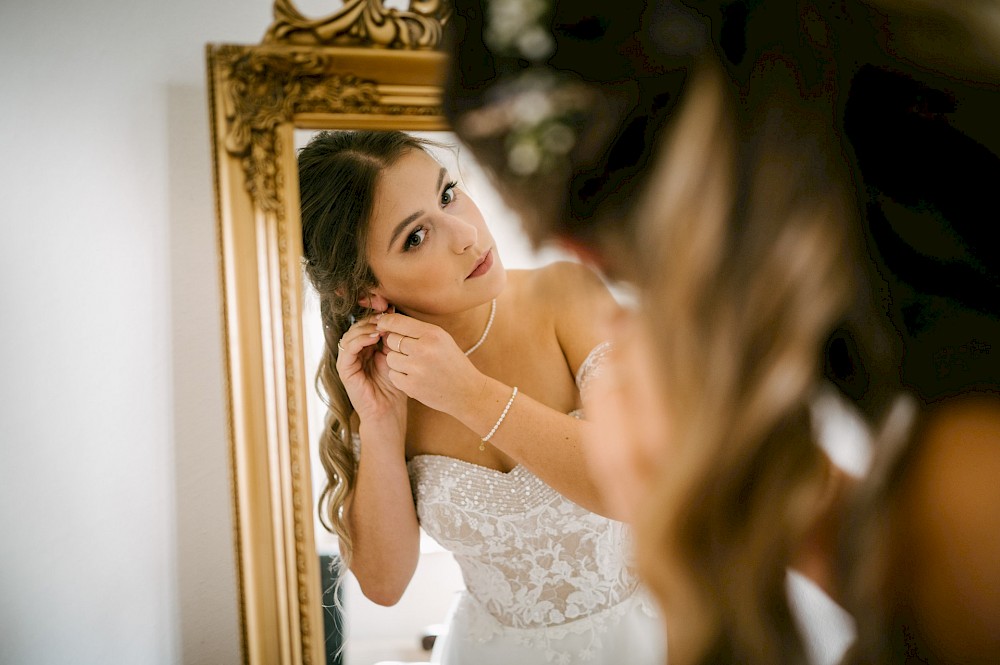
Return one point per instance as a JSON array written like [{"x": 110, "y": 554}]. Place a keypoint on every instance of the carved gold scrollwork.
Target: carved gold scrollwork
[
  {"x": 363, "y": 23},
  {"x": 265, "y": 89},
  {"x": 259, "y": 96}
]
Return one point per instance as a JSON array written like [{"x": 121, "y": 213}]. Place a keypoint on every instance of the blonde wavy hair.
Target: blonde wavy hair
[{"x": 744, "y": 279}]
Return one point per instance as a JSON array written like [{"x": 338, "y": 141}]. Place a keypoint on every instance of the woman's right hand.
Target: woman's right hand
[
  {"x": 362, "y": 366},
  {"x": 380, "y": 512}
]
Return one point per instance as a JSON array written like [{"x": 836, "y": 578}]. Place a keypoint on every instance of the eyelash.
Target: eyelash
[
  {"x": 407, "y": 245},
  {"x": 450, "y": 187}
]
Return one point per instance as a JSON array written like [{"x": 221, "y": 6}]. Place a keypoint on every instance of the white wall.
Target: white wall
[
  {"x": 115, "y": 522},
  {"x": 115, "y": 525}
]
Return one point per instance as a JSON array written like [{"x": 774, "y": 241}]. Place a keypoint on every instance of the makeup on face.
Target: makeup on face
[
  {"x": 429, "y": 245},
  {"x": 483, "y": 265}
]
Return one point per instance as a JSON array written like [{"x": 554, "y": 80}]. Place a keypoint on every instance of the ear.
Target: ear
[{"x": 375, "y": 301}]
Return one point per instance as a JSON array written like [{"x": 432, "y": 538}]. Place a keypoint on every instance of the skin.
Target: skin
[
  {"x": 415, "y": 391},
  {"x": 625, "y": 404},
  {"x": 945, "y": 535}
]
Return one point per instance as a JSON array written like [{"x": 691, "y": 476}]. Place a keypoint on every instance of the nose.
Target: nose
[{"x": 463, "y": 235}]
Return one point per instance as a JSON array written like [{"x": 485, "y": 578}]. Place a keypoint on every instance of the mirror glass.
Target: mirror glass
[{"x": 375, "y": 633}]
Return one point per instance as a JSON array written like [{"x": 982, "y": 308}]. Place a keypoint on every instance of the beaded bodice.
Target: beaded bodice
[{"x": 528, "y": 555}]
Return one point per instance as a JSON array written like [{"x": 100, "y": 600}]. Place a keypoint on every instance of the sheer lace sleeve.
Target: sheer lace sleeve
[{"x": 592, "y": 365}]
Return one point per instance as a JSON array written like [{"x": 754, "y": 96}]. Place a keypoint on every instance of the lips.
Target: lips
[{"x": 483, "y": 265}]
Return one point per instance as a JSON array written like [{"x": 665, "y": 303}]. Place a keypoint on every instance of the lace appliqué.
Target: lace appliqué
[
  {"x": 483, "y": 627},
  {"x": 592, "y": 365},
  {"x": 536, "y": 566}
]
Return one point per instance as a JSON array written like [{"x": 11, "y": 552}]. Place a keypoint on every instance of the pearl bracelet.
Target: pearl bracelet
[{"x": 503, "y": 415}]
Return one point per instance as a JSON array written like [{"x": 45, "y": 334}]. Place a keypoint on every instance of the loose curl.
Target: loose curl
[
  {"x": 338, "y": 174},
  {"x": 745, "y": 283}
]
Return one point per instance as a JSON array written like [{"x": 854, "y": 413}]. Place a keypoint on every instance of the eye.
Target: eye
[
  {"x": 449, "y": 194},
  {"x": 415, "y": 239}
]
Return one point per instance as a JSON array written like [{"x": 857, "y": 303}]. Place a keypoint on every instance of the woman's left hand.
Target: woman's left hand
[{"x": 426, "y": 364}]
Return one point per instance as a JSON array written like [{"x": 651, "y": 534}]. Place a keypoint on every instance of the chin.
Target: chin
[{"x": 499, "y": 278}]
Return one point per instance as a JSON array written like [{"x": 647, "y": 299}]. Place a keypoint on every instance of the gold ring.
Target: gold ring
[
  {"x": 399, "y": 344},
  {"x": 340, "y": 346}
]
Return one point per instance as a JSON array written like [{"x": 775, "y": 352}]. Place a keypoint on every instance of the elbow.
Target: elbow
[
  {"x": 383, "y": 593},
  {"x": 381, "y": 586}
]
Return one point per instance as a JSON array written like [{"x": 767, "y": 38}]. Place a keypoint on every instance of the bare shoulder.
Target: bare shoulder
[
  {"x": 575, "y": 300},
  {"x": 567, "y": 285}
]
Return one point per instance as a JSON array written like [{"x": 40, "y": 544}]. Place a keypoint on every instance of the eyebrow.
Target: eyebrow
[{"x": 410, "y": 218}]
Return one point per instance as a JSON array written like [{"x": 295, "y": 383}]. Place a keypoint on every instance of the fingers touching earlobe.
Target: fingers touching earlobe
[{"x": 374, "y": 301}]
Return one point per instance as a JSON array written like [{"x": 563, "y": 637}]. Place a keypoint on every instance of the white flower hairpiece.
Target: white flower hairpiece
[
  {"x": 517, "y": 27},
  {"x": 538, "y": 113}
]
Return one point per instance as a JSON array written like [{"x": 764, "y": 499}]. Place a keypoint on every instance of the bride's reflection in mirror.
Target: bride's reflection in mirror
[{"x": 453, "y": 382}]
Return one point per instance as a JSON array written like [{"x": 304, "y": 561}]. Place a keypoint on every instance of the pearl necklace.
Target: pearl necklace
[{"x": 489, "y": 324}]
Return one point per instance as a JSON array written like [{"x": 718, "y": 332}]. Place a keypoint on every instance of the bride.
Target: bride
[{"x": 453, "y": 388}]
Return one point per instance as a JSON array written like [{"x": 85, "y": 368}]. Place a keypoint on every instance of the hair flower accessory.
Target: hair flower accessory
[
  {"x": 517, "y": 28},
  {"x": 539, "y": 115}
]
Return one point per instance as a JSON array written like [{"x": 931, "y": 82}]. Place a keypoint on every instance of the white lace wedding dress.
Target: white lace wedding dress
[{"x": 546, "y": 580}]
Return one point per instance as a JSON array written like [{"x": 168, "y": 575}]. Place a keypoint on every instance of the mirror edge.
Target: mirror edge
[{"x": 258, "y": 95}]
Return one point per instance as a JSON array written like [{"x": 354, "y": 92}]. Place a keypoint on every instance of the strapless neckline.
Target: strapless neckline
[{"x": 466, "y": 463}]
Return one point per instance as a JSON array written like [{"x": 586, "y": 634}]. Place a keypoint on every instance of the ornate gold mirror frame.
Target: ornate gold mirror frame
[{"x": 363, "y": 67}]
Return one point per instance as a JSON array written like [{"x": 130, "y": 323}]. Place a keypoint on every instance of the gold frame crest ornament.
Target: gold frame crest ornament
[{"x": 364, "y": 66}]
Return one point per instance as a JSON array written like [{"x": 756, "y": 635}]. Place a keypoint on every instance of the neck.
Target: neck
[{"x": 465, "y": 327}]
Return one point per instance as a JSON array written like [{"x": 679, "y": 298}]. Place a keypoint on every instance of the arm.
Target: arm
[
  {"x": 380, "y": 513},
  {"x": 559, "y": 462},
  {"x": 581, "y": 305},
  {"x": 434, "y": 371},
  {"x": 382, "y": 517}
]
